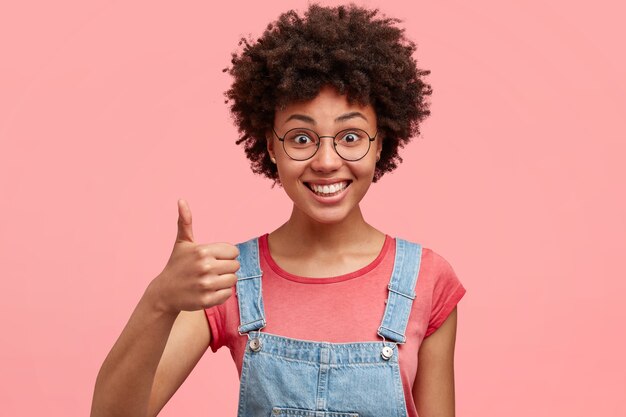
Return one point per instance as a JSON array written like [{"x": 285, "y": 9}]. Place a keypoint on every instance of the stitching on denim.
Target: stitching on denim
[
  {"x": 243, "y": 385},
  {"x": 410, "y": 296},
  {"x": 250, "y": 277},
  {"x": 287, "y": 358},
  {"x": 398, "y": 388}
]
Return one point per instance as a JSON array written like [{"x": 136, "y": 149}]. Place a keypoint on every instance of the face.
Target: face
[{"x": 327, "y": 114}]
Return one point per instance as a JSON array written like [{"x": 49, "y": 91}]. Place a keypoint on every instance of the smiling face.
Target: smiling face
[{"x": 327, "y": 114}]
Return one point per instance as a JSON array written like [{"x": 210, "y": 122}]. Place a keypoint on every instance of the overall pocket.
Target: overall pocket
[{"x": 301, "y": 412}]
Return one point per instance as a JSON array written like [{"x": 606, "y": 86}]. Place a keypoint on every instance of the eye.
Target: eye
[
  {"x": 301, "y": 139},
  {"x": 351, "y": 137}
]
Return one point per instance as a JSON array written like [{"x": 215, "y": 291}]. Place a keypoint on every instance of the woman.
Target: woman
[{"x": 330, "y": 315}]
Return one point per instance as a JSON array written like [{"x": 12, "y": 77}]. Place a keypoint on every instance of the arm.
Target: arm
[
  {"x": 168, "y": 332},
  {"x": 150, "y": 360},
  {"x": 433, "y": 390},
  {"x": 189, "y": 339}
]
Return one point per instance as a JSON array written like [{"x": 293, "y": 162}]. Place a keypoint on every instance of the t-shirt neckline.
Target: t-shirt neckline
[{"x": 267, "y": 256}]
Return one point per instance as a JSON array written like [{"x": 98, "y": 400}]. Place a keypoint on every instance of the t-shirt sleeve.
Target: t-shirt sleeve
[
  {"x": 216, "y": 324},
  {"x": 447, "y": 292}
]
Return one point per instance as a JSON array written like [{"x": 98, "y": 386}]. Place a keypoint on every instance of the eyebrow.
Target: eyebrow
[{"x": 341, "y": 118}]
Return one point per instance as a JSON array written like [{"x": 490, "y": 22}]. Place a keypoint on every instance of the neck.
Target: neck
[{"x": 302, "y": 234}]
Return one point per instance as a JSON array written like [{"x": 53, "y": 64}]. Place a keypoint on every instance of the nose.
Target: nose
[{"x": 326, "y": 158}]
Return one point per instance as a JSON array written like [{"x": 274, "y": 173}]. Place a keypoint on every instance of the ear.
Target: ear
[
  {"x": 269, "y": 140},
  {"x": 379, "y": 145}
]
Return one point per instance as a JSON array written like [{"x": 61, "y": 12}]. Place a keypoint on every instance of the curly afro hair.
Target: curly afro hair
[{"x": 362, "y": 55}]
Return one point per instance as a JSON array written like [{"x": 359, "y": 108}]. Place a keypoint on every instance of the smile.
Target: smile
[{"x": 328, "y": 190}]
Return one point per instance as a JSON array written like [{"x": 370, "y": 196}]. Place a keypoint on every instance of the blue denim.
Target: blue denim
[{"x": 281, "y": 376}]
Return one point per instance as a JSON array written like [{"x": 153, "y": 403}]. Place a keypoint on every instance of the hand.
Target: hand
[{"x": 196, "y": 276}]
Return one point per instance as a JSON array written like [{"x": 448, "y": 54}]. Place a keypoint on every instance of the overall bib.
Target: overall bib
[{"x": 281, "y": 376}]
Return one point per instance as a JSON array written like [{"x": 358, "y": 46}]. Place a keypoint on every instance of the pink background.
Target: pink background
[{"x": 112, "y": 110}]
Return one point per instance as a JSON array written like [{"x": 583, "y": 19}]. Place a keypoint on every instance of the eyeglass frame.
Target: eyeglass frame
[{"x": 319, "y": 143}]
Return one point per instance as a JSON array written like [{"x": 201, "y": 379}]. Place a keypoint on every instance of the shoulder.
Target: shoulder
[
  {"x": 250, "y": 241},
  {"x": 437, "y": 262},
  {"x": 251, "y": 247},
  {"x": 432, "y": 265},
  {"x": 429, "y": 257}
]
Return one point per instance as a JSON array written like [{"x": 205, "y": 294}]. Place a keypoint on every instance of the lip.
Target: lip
[
  {"x": 333, "y": 199},
  {"x": 328, "y": 181}
]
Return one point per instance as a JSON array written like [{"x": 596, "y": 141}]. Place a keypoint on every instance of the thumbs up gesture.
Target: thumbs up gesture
[{"x": 196, "y": 276}]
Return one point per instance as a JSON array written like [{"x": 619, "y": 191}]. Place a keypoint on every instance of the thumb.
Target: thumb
[{"x": 185, "y": 232}]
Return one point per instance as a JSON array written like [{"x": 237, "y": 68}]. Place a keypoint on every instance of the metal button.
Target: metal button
[
  {"x": 386, "y": 353},
  {"x": 255, "y": 344}
]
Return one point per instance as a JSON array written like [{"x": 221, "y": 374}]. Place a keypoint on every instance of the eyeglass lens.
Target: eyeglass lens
[{"x": 350, "y": 144}]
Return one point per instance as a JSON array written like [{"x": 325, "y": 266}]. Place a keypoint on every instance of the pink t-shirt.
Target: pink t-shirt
[{"x": 344, "y": 308}]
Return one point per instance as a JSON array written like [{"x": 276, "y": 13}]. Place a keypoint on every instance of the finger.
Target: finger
[
  {"x": 185, "y": 232},
  {"x": 218, "y": 297},
  {"x": 221, "y": 250},
  {"x": 220, "y": 266},
  {"x": 215, "y": 283}
]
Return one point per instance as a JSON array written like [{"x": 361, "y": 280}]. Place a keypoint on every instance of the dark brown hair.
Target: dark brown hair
[{"x": 361, "y": 54}]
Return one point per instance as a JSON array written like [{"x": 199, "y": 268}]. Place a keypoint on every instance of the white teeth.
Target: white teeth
[{"x": 329, "y": 189}]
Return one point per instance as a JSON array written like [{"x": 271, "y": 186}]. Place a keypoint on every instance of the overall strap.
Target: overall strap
[
  {"x": 401, "y": 290},
  {"x": 251, "y": 312}
]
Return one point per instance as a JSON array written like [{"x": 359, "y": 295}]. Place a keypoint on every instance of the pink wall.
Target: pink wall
[{"x": 111, "y": 111}]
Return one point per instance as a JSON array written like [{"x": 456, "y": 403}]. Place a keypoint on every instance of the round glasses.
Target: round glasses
[{"x": 301, "y": 143}]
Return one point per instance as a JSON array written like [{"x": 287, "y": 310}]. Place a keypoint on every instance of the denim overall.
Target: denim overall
[{"x": 281, "y": 376}]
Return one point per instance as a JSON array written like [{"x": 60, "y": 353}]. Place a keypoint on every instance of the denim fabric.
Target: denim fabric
[{"x": 283, "y": 376}]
